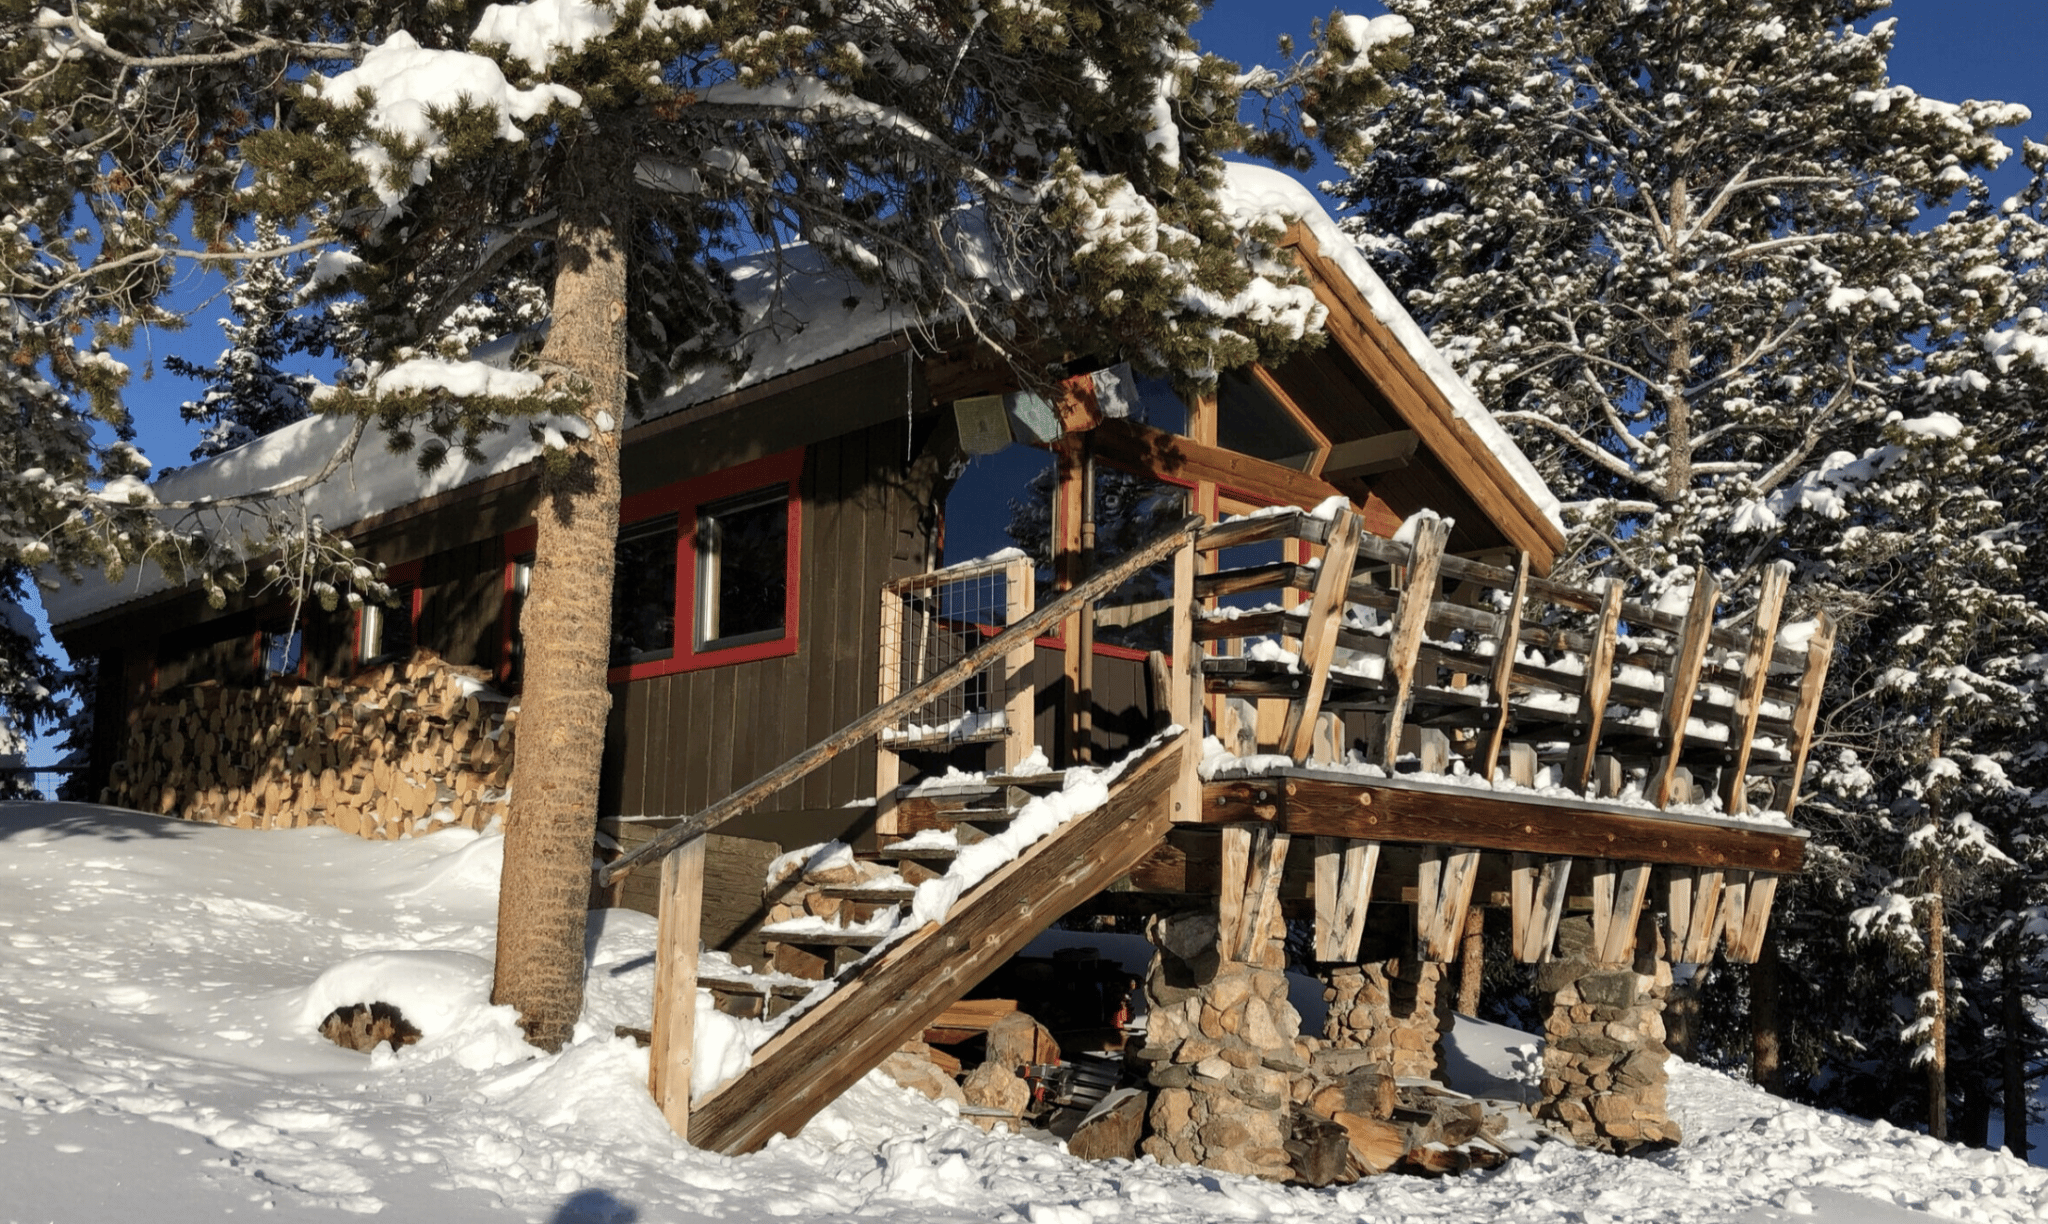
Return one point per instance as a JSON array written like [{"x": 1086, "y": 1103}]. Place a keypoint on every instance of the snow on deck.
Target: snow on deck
[{"x": 155, "y": 1064}]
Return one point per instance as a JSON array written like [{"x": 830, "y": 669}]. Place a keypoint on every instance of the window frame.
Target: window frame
[
  {"x": 395, "y": 576},
  {"x": 684, "y": 500}
]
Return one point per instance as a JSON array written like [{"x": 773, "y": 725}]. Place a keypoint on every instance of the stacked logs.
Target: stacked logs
[{"x": 396, "y": 751}]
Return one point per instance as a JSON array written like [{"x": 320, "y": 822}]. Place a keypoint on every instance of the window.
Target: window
[
  {"x": 743, "y": 569},
  {"x": 1160, "y": 406},
  {"x": 386, "y": 631},
  {"x": 704, "y": 573},
  {"x": 644, "y": 592},
  {"x": 283, "y": 651},
  {"x": 1251, "y": 420},
  {"x": 518, "y": 577}
]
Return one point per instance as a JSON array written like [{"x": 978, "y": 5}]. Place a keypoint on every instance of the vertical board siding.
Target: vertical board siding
[{"x": 680, "y": 742}]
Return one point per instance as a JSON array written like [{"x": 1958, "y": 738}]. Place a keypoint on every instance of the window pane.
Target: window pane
[
  {"x": 281, "y": 652},
  {"x": 744, "y": 579},
  {"x": 1130, "y": 510},
  {"x": 522, "y": 576},
  {"x": 387, "y": 628},
  {"x": 1160, "y": 406},
  {"x": 1251, "y": 422},
  {"x": 644, "y": 593}
]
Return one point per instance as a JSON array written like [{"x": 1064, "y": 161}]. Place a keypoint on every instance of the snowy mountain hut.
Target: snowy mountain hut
[{"x": 1285, "y": 650}]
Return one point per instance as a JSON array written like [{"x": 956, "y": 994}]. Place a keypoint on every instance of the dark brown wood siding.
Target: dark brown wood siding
[
  {"x": 678, "y": 742},
  {"x": 462, "y": 591}
]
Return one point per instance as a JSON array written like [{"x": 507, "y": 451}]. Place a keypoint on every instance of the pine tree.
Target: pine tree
[
  {"x": 28, "y": 682},
  {"x": 618, "y": 154},
  {"x": 248, "y": 392},
  {"x": 1741, "y": 297}
]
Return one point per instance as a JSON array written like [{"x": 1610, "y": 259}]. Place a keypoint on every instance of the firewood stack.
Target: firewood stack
[{"x": 397, "y": 750}]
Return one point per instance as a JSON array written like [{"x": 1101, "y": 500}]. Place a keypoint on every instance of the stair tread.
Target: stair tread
[
  {"x": 824, "y": 935},
  {"x": 1050, "y": 780},
  {"x": 919, "y": 854},
  {"x": 749, "y": 984}
]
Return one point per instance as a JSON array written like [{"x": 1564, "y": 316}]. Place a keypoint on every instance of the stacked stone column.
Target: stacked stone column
[
  {"x": 1603, "y": 1059},
  {"x": 1396, "y": 1010},
  {"x": 1223, "y": 1046}
]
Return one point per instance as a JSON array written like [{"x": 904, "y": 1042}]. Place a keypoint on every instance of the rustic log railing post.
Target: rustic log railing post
[
  {"x": 1319, "y": 637},
  {"x": 1411, "y": 617},
  {"x": 1184, "y": 685},
  {"x": 1020, "y": 714},
  {"x": 1510, "y": 641},
  {"x": 671, "y": 1051},
  {"x": 1749, "y": 701},
  {"x": 1599, "y": 680},
  {"x": 1683, "y": 684},
  {"x": 888, "y": 772},
  {"x": 1820, "y": 649}
]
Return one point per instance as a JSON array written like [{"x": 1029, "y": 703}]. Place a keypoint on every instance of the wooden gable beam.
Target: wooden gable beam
[
  {"x": 1364, "y": 457},
  {"x": 1360, "y": 335}
]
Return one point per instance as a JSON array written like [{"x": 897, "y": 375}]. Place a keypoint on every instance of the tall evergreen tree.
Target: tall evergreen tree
[
  {"x": 1739, "y": 294},
  {"x": 248, "y": 391}
]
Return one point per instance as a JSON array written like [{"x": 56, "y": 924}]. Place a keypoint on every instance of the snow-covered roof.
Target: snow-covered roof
[
  {"x": 807, "y": 322},
  {"x": 799, "y": 312},
  {"x": 1255, "y": 193}
]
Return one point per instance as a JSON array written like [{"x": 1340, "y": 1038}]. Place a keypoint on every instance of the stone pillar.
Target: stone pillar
[
  {"x": 1397, "y": 1010},
  {"x": 1222, "y": 1043},
  {"x": 1603, "y": 1057}
]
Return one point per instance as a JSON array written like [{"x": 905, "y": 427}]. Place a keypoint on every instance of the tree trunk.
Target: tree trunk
[
  {"x": 551, "y": 821},
  {"x": 1766, "y": 1049},
  {"x": 1937, "y": 989},
  {"x": 2013, "y": 1058}
]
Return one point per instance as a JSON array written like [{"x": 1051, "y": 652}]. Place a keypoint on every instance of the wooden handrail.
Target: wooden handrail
[{"x": 803, "y": 763}]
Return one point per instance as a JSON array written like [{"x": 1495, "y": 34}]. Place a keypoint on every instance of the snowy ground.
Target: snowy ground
[{"x": 159, "y": 982}]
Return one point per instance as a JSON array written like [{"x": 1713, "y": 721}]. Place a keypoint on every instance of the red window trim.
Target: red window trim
[
  {"x": 394, "y": 576},
  {"x": 683, "y": 499}
]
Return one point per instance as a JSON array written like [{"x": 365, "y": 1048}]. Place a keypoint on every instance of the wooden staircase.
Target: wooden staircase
[{"x": 880, "y": 1003}]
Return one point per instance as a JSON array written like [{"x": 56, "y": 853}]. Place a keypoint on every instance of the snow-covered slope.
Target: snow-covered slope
[{"x": 160, "y": 981}]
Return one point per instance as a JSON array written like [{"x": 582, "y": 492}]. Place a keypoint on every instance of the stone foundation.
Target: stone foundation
[
  {"x": 1224, "y": 1051},
  {"x": 1603, "y": 1060},
  {"x": 1397, "y": 1011}
]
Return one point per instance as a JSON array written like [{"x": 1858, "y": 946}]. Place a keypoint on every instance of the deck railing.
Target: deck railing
[
  {"x": 1422, "y": 659},
  {"x": 1511, "y": 673}
]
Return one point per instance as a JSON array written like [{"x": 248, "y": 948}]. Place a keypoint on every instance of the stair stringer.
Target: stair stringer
[{"x": 895, "y": 997}]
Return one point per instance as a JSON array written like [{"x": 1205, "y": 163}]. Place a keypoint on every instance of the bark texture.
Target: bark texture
[{"x": 552, "y": 819}]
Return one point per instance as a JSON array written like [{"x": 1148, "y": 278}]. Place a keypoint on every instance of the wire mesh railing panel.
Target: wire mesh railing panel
[{"x": 930, "y": 622}]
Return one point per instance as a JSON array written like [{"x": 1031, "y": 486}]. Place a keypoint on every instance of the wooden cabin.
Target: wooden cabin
[{"x": 1307, "y": 616}]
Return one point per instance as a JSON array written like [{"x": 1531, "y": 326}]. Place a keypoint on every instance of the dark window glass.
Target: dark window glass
[
  {"x": 644, "y": 592},
  {"x": 387, "y": 628},
  {"x": 1160, "y": 406},
  {"x": 1129, "y": 511},
  {"x": 522, "y": 577},
  {"x": 1250, "y": 421},
  {"x": 743, "y": 569},
  {"x": 282, "y": 651}
]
